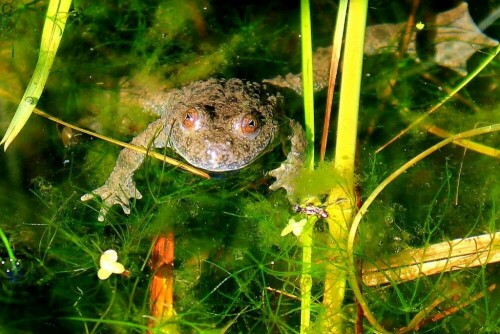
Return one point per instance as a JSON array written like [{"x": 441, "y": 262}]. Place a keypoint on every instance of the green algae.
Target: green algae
[{"x": 231, "y": 262}]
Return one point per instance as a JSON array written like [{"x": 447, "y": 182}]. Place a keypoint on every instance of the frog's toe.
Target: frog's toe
[
  {"x": 280, "y": 184},
  {"x": 111, "y": 200},
  {"x": 274, "y": 186},
  {"x": 113, "y": 195},
  {"x": 87, "y": 197},
  {"x": 125, "y": 207},
  {"x": 283, "y": 180},
  {"x": 102, "y": 213},
  {"x": 276, "y": 172},
  {"x": 280, "y": 175},
  {"x": 137, "y": 194}
]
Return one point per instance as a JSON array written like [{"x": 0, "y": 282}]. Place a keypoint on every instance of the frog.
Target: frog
[{"x": 216, "y": 125}]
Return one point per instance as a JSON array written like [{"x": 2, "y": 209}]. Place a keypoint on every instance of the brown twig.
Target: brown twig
[
  {"x": 359, "y": 310},
  {"x": 442, "y": 314},
  {"x": 410, "y": 24},
  {"x": 334, "y": 65}
]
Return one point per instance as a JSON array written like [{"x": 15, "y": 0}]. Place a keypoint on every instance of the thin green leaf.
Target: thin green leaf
[
  {"x": 55, "y": 21},
  {"x": 307, "y": 79}
]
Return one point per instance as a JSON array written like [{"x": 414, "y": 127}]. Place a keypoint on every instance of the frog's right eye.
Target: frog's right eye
[
  {"x": 249, "y": 124},
  {"x": 190, "y": 118}
]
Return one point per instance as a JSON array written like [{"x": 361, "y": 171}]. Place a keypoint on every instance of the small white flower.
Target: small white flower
[
  {"x": 109, "y": 265},
  {"x": 294, "y": 227}
]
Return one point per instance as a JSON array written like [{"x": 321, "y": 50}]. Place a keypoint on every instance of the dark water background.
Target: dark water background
[{"x": 228, "y": 249}]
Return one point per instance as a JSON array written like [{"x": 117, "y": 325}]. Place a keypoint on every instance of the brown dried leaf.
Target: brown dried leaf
[{"x": 457, "y": 38}]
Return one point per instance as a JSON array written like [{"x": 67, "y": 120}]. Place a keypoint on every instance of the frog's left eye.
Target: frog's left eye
[
  {"x": 249, "y": 125},
  {"x": 190, "y": 118}
]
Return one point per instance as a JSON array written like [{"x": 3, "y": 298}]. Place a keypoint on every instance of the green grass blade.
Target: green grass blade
[
  {"x": 308, "y": 95},
  {"x": 6, "y": 243},
  {"x": 55, "y": 21},
  {"x": 307, "y": 79}
]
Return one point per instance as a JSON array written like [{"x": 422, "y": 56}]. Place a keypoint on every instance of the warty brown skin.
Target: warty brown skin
[{"x": 215, "y": 125}]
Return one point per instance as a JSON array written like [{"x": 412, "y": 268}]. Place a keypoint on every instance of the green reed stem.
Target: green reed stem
[
  {"x": 341, "y": 203},
  {"x": 308, "y": 95},
  {"x": 306, "y": 239},
  {"x": 307, "y": 79},
  {"x": 347, "y": 129}
]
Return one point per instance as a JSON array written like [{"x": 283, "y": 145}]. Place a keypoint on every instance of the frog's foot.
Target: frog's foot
[
  {"x": 114, "y": 193},
  {"x": 286, "y": 174},
  {"x": 285, "y": 178}
]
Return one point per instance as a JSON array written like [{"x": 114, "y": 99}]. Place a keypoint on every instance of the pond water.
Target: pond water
[{"x": 233, "y": 271}]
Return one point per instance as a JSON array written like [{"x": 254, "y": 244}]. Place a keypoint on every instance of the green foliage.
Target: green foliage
[
  {"x": 233, "y": 269},
  {"x": 53, "y": 29}
]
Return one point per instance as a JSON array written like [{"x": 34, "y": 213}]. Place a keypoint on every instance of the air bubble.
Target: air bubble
[{"x": 31, "y": 100}]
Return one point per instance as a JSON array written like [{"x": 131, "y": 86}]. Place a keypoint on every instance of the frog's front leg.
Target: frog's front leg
[
  {"x": 288, "y": 171},
  {"x": 120, "y": 185}
]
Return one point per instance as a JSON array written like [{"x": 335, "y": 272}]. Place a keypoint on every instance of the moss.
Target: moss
[{"x": 318, "y": 182}]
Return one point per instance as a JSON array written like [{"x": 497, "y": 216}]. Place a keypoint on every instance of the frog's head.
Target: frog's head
[{"x": 223, "y": 125}]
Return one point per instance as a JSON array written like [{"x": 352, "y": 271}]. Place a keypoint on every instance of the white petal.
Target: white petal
[
  {"x": 287, "y": 230},
  {"x": 297, "y": 230},
  {"x": 117, "y": 268},
  {"x": 106, "y": 261},
  {"x": 112, "y": 254},
  {"x": 299, "y": 226},
  {"x": 103, "y": 274}
]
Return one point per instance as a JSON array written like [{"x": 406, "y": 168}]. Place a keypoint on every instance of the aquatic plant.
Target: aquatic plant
[{"x": 415, "y": 254}]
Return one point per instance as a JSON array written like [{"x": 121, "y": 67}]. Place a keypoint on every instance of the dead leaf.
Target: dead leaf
[{"x": 457, "y": 38}]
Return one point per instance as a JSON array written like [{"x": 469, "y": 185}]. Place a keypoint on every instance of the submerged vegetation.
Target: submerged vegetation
[{"x": 246, "y": 260}]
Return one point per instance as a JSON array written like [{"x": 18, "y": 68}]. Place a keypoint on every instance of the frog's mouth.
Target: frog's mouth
[
  {"x": 221, "y": 157},
  {"x": 218, "y": 159}
]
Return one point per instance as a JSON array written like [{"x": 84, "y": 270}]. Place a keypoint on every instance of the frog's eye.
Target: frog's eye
[
  {"x": 190, "y": 118},
  {"x": 249, "y": 124}
]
